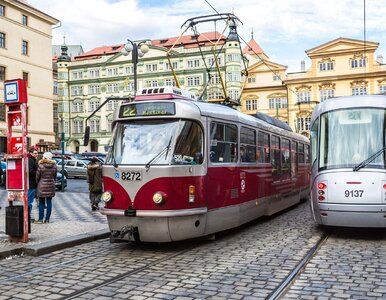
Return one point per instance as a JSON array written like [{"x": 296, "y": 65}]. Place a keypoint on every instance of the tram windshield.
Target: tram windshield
[
  {"x": 156, "y": 142},
  {"x": 348, "y": 137}
]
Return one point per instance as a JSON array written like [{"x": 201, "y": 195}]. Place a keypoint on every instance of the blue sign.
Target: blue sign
[
  {"x": 11, "y": 92},
  {"x": 116, "y": 175}
]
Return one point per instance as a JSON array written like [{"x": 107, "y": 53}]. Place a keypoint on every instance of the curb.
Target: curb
[{"x": 55, "y": 245}]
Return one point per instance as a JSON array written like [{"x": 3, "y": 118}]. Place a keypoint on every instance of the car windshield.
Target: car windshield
[
  {"x": 156, "y": 142},
  {"x": 348, "y": 137}
]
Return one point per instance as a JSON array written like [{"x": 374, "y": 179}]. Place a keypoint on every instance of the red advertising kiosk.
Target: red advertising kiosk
[{"x": 15, "y": 98}]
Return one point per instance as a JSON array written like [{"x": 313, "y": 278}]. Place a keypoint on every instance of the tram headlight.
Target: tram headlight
[
  {"x": 159, "y": 198},
  {"x": 107, "y": 197}
]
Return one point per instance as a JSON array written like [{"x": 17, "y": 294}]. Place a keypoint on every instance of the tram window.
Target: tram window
[
  {"x": 247, "y": 145},
  {"x": 314, "y": 140},
  {"x": 294, "y": 158},
  {"x": 223, "y": 142},
  {"x": 307, "y": 154},
  {"x": 263, "y": 147},
  {"x": 286, "y": 158},
  {"x": 275, "y": 156},
  {"x": 301, "y": 153},
  {"x": 189, "y": 144}
]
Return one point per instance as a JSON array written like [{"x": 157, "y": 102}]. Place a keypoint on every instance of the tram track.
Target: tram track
[{"x": 297, "y": 270}]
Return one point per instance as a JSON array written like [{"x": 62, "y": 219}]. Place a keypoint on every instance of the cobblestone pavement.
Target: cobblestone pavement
[
  {"x": 350, "y": 265},
  {"x": 246, "y": 263}
]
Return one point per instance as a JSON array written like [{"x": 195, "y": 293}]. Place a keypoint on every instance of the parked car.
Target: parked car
[
  {"x": 74, "y": 168},
  {"x": 89, "y": 155}
]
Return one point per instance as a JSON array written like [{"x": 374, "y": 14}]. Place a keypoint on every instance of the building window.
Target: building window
[
  {"x": 151, "y": 68},
  {"x": 233, "y": 76},
  {"x": 277, "y": 102},
  {"x": 174, "y": 65},
  {"x": 170, "y": 82},
  {"x": 304, "y": 123},
  {"x": 234, "y": 94},
  {"x": 251, "y": 79},
  {"x": 128, "y": 86},
  {"x": 211, "y": 61},
  {"x": 24, "y": 20},
  {"x": 2, "y": 40},
  {"x": 112, "y": 104},
  {"x": 233, "y": 57},
  {"x": 129, "y": 70},
  {"x": 325, "y": 94},
  {"x": 94, "y": 89},
  {"x": 251, "y": 104},
  {"x": 77, "y": 90},
  {"x": 194, "y": 80},
  {"x": 112, "y": 72},
  {"x": 303, "y": 96},
  {"x": 55, "y": 90},
  {"x": 215, "y": 95},
  {"x": 195, "y": 63},
  {"x": 26, "y": 77},
  {"x": 276, "y": 78},
  {"x": 2, "y": 10},
  {"x": 358, "y": 63},
  {"x": 215, "y": 79},
  {"x": 109, "y": 125},
  {"x": 77, "y": 106},
  {"x": 66, "y": 127},
  {"x": 151, "y": 83},
  {"x": 77, "y": 75},
  {"x": 24, "y": 48},
  {"x": 94, "y": 125},
  {"x": 2, "y": 73},
  {"x": 94, "y": 73},
  {"x": 356, "y": 91},
  {"x": 93, "y": 105},
  {"x": 78, "y": 126},
  {"x": 382, "y": 88},
  {"x": 326, "y": 66},
  {"x": 112, "y": 88}
]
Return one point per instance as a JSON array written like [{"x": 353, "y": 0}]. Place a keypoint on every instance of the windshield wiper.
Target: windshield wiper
[
  {"x": 166, "y": 149},
  {"x": 368, "y": 160}
]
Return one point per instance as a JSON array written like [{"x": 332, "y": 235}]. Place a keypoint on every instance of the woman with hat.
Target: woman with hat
[{"x": 45, "y": 178}]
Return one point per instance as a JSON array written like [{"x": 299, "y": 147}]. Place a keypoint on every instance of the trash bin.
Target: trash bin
[{"x": 14, "y": 221}]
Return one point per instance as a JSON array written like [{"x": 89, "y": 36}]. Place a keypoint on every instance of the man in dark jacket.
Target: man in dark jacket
[
  {"x": 94, "y": 179},
  {"x": 32, "y": 168}
]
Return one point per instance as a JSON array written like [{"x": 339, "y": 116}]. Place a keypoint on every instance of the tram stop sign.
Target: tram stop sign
[{"x": 15, "y": 91}]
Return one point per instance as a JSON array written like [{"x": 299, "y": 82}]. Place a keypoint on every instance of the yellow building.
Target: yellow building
[
  {"x": 25, "y": 52},
  {"x": 341, "y": 67}
]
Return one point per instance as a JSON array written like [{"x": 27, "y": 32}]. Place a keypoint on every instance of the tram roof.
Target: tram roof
[{"x": 360, "y": 101}]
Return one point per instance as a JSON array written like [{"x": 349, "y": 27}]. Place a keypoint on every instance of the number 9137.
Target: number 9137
[{"x": 353, "y": 193}]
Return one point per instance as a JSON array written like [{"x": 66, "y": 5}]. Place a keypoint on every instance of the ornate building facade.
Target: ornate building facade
[
  {"x": 341, "y": 67},
  {"x": 86, "y": 81},
  {"x": 25, "y": 52}
]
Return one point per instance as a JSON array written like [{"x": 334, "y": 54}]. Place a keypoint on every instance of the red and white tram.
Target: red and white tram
[{"x": 180, "y": 168}]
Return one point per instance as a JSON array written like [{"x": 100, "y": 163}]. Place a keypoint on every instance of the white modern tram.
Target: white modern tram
[{"x": 348, "y": 156}]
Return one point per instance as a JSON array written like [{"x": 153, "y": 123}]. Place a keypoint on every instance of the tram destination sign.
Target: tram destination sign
[{"x": 147, "y": 109}]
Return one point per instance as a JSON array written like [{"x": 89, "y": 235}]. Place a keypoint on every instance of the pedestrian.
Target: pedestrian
[
  {"x": 94, "y": 179},
  {"x": 32, "y": 185},
  {"x": 45, "y": 178}
]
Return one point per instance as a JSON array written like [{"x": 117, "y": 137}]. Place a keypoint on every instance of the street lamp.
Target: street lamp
[{"x": 137, "y": 50}]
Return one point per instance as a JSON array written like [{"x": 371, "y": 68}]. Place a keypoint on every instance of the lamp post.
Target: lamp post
[
  {"x": 137, "y": 50},
  {"x": 62, "y": 146}
]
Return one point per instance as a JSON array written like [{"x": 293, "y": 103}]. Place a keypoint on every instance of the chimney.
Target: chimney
[
  {"x": 380, "y": 59},
  {"x": 302, "y": 66}
]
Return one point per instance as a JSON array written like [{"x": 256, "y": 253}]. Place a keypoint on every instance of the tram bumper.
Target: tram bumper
[
  {"x": 351, "y": 215},
  {"x": 156, "y": 226}
]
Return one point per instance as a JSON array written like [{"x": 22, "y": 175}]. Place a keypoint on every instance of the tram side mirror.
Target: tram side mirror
[
  {"x": 198, "y": 158},
  {"x": 86, "y": 137}
]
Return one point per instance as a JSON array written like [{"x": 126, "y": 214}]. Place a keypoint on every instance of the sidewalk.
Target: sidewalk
[{"x": 72, "y": 222}]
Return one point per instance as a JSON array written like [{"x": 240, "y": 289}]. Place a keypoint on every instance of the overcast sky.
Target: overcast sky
[{"x": 284, "y": 29}]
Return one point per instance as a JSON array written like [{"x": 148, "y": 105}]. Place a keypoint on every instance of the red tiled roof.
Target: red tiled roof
[
  {"x": 253, "y": 48},
  {"x": 190, "y": 41},
  {"x": 99, "y": 51}
]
